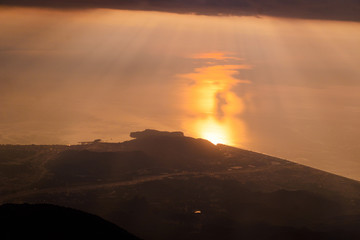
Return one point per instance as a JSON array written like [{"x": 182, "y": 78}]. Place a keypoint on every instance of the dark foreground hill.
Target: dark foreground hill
[
  {"x": 163, "y": 185},
  {"x": 44, "y": 221}
]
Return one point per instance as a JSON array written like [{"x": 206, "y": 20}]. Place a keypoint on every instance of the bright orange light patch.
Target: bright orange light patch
[
  {"x": 211, "y": 83},
  {"x": 210, "y": 100},
  {"x": 214, "y": 131}
]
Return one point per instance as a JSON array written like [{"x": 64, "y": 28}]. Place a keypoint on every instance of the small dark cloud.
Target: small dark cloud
[
  {"x": 308, "y": 9},
  {"x": 220, "y": 102}
]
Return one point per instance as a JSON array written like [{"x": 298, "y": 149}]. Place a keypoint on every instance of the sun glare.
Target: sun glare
[
  {"x": 211, "y": 102},
  {"x": 215, "y": 132}
]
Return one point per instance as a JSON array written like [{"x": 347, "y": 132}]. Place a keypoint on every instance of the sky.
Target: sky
[
  {"x": 306, "y": 9},
  {"x": 281, "y": 86}
]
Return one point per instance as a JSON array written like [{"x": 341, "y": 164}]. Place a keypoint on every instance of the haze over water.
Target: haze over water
[{"x": 284, "y": 87}]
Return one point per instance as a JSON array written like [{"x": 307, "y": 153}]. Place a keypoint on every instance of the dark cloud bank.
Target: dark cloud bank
[{"x": 310, "y": 9}]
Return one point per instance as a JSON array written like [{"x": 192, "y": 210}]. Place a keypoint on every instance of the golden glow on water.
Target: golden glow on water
[
  {"x": 214, "y": 108},
  {"x": 118, "y": 71},
  {"x": 214, "y": 131}
]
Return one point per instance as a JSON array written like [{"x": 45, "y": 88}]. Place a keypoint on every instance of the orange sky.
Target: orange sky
[{"x": 284, "y": 87}]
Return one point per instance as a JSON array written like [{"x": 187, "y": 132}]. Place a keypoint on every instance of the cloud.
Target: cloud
[
  {"x": 220, "y": 102},
  {"x": 214, "y": 55},
  {"x": 309, "y": 9}
]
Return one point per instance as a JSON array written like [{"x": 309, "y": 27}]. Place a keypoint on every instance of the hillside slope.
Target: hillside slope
[{"x": 163, "y": 185}]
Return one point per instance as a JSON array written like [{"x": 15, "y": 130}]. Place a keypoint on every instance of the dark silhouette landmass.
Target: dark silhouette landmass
[
  {"x": 45, "y": 221},
  {"x": 309, "y": 9},
  {"x": 164, "y": 185}
]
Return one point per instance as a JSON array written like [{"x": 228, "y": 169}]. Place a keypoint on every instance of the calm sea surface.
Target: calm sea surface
[{"x": 285, "y": 87}]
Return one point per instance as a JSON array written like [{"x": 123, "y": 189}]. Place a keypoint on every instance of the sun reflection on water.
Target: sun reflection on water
[
  {"x": 214, "y": 131},
  {"x": 213, "y": 107}
]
